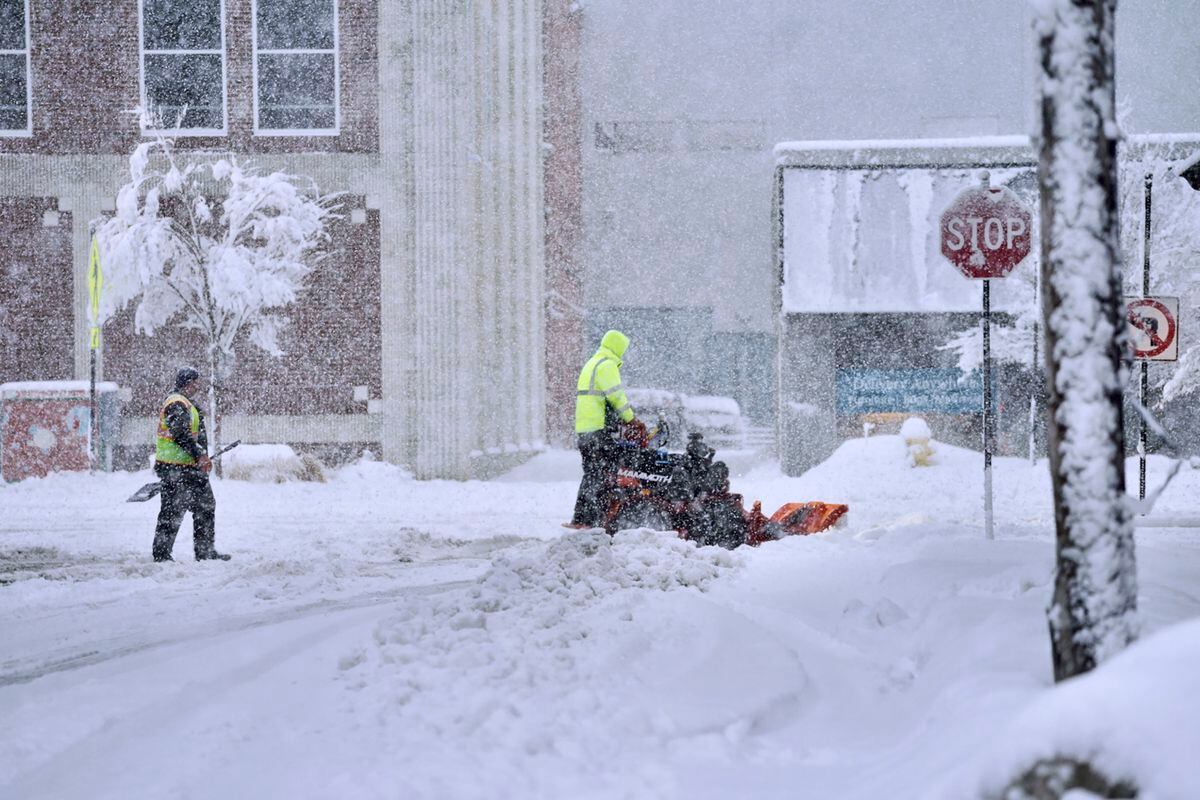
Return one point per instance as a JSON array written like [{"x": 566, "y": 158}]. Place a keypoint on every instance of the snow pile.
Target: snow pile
[
  {"x": 377, "y": 636},
  {"x": 1133, "y": 719},
  {"x": 550, "y": 466},
  {"x": 915, "y": 428},
  {"x": 271, "y": 463},
  {"x": 370, "y": 470},
  {"x": 530, "y": 667}
]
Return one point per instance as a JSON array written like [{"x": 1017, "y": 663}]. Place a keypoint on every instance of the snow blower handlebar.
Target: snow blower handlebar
[{"x": 635, "y": 433}]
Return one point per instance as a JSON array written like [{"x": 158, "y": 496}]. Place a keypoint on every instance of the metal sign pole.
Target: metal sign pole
[
  {"x": 1037, "y": 299},
  {"x": 1149, "y": 184},
  {"x": 987, "y": 409},
  {"x": 95, "y": 280},
  {"x": 93, "y": 435},
  {"x": 985, "y": 233}
]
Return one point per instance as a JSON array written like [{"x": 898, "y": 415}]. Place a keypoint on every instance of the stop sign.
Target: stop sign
[{"x": 986, "y": 232}]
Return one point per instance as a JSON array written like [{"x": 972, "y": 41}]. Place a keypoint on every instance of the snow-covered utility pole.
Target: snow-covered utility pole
[{"x": 1094, "y": 610}]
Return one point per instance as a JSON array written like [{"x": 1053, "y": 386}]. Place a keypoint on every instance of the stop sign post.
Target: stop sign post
[{"x": 985, "y": 233}]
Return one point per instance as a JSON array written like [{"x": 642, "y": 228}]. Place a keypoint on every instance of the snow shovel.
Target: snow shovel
[{"x": 152, "y": 489}]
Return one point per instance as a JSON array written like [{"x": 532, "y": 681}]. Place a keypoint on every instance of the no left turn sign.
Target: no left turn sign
[{"x": 1153, "y": 327}]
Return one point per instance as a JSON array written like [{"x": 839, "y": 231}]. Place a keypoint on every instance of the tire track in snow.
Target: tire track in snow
[
  {"x": 105, "y": 757},
  {"x": 25, "y": 670},
  {"x": 423, "y": 552}
]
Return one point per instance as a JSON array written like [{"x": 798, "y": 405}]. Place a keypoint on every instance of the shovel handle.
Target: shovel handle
[{"x": 225, "y": 449}]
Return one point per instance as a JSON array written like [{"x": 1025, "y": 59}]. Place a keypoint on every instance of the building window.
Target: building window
[
  {"x": 295, "y": 67},
  {"x": 183, "y": 65},
  {"x": 14, "y": 68}
]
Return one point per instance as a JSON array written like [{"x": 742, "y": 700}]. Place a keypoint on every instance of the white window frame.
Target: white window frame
[
  {"x": 336, "y": 130},
  {"x": 143, "y": 52},
  {"x": 27, "y": 131}
]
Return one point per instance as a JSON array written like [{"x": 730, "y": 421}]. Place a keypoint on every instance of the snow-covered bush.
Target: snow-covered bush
[
  {"x": 211, "y": 245},
  {"x": 271, "y": 463}
]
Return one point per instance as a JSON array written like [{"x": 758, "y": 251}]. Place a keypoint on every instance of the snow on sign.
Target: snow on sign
[
  {"x": 1153, "y": 327},
  {"x": 986, "y": 231}
]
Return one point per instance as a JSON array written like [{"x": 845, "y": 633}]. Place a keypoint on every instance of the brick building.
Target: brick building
[{"x": 422, "y": 335}]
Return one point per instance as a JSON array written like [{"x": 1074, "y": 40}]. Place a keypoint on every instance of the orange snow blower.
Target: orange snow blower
[{"x": 689, "y": 493}]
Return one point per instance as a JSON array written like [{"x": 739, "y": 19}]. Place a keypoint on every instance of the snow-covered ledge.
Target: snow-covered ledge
[{"x": 859, "y": 153}]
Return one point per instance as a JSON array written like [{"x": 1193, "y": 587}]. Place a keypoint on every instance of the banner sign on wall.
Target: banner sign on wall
[{"x": 930, "y": 391}]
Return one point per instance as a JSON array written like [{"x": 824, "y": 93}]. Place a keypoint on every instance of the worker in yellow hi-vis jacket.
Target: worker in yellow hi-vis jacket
[
  {"x": 600, "y": 406},
  {"x": 182, "y": 464}
]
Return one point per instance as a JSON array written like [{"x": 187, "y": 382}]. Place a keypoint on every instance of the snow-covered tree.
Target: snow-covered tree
[
  {"x": 1094, "y": 608},
  {"x": 213, "y": 246},
  {"x": 1174, "y": 252},
  {"x": 1011, "y": 343}
]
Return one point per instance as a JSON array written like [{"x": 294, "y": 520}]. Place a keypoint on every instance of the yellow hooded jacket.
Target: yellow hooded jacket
[{"x": 600, "y": 384}]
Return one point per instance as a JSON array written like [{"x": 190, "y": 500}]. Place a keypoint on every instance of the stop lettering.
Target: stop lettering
[{"x": 986, "y": 232}]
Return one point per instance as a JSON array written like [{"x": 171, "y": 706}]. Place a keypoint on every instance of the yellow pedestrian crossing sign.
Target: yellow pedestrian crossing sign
[{"x": 95, "y": 286}]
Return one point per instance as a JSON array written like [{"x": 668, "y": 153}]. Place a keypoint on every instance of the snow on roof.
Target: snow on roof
[
  {"x": 982, "y": 150},
  {"x": 932, "y": 152},
  {"x": 56, "y": 387},
  {"x": 1164, "y": 138}
]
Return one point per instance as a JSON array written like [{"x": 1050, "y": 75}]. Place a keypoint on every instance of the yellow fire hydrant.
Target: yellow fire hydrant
[{"x": 916, "y": 435}]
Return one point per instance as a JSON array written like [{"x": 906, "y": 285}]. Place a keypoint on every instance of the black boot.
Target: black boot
[{"x": 213, "y": 555}]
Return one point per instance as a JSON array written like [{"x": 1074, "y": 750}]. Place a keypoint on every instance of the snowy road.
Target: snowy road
[
  {"x": 380, "y": 637},
  {"x": 159, "y": 632}
]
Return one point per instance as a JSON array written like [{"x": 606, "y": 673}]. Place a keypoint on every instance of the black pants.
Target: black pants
[
  {"x": 599, "y": 453},
  {"x": 185, "y": 489}
]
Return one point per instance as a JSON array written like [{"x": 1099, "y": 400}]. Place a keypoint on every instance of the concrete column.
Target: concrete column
[
  {"x": 446, "y": 330},
  {"x": 562, "y": 167},
  {"x": 392, "y": 193}
]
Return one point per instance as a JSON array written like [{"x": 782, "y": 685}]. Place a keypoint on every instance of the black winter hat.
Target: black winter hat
[{"x": 185, "y": 376}]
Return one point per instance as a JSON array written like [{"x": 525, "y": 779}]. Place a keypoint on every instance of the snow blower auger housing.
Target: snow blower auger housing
[{"x": 689, "y": 493}]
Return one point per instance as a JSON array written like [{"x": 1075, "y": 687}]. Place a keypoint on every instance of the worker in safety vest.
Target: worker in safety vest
[
  {"x": 600, "y": 408},
  {"x": 182, "y": 464}
]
